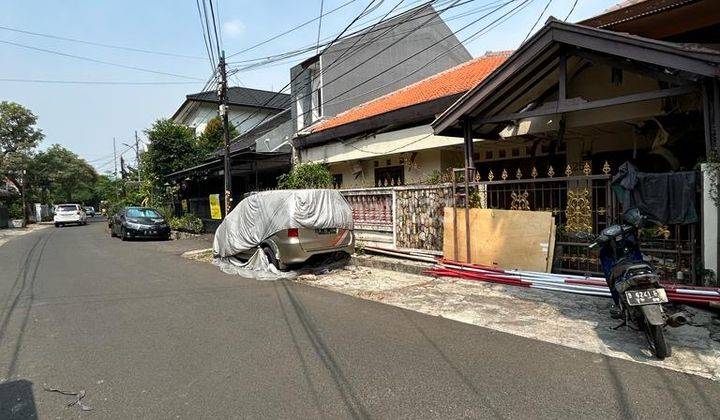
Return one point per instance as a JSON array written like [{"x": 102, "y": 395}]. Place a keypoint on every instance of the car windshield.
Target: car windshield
[
  {"x": 66, "y": 208},
  {"x": 143, "y": 213}
]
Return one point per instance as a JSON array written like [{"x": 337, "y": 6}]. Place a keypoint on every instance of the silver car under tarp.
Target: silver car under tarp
[{"x": 260, "y": 216}]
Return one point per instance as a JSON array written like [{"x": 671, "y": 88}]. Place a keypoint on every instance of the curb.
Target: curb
[{"x": 393, "y": 264}]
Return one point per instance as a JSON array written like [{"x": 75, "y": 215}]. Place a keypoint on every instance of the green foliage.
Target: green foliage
[
  {"x": 171, "y": 148},
  {"x": 212, "y": 138},
  {"x": 58, "y": 175},
  {"x": 306, "y": 176},
  {"x": 15, "y": 209},
  {"x": 18, "y": 138},
  {"x": 187, "y": 223}
]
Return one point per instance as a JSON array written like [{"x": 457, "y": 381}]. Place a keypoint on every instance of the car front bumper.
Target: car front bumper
[{"x": 149, "y": 232}]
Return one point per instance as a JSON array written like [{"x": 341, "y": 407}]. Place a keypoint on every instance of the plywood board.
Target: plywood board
[{"x": 509, "y": 239}]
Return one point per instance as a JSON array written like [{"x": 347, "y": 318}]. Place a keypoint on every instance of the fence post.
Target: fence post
[{"x": 394, "y": 216}]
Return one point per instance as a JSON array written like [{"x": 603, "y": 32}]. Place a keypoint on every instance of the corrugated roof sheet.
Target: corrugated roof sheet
[
  {"x": 456, "y": 80},
  {"x": 247, "y": 97}
]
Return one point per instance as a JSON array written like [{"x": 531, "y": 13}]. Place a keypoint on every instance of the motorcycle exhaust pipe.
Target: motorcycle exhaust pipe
[{"x": 677, "y": 319}]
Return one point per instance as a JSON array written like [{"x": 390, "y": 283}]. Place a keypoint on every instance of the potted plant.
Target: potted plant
[{"x": 17, "y": 219}]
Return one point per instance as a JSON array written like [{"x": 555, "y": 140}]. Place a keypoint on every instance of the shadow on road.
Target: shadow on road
[
  {"x": 17, "y": 400},
  {"x": 350, "y": 399}
]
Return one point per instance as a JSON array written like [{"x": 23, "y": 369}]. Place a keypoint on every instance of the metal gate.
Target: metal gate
[{"x": 583, "y": 202}]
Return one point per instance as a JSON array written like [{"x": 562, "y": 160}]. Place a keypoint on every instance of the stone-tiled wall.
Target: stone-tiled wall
[{"x": 419, "y": 216}]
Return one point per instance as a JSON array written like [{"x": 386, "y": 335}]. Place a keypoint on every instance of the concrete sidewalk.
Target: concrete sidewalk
[{"x": 10, "y": 233}]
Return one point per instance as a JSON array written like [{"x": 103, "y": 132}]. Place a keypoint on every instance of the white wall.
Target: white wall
[{"x": 198, "y": 114}]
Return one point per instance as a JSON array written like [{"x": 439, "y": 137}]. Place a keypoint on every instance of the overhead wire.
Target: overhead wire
[
  {"x": 272, "y": 98},
  {"x": 98, "y": 44},
  {"x": 208, "y": 46},
  {"x": 433, "y": 16},
  {"x": 524, "y": 3},
  {"x": 536, "y": 21},
  {"x": 289, "y": 57},
  {"x": 214, "y": 22},
  {"x": 454, "y": 3},
  {"x": 317, "y": 46},
  {"x": 572, "y": 9},
  {"x": 97, "y": 82},
  {"x": 252, "y": 47},
  {"x": 93, "y": 60}
]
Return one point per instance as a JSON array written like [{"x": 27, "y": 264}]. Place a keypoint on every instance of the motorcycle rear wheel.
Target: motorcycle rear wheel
[{"x": 656, "y": 338}]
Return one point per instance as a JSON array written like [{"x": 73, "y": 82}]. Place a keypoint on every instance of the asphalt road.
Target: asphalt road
[{"x": 148, "y": 334}]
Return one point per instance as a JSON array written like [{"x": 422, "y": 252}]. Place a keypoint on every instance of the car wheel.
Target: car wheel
[
  {"x": 123, "y": 234},
  {"x": 57, "y": 224},
  {"x": 270, "y": 256}
]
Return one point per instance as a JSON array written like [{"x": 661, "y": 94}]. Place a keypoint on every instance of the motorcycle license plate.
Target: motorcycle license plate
[{"x": 645, "y": 297}]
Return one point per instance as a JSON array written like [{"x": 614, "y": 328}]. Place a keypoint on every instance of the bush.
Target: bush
[
  {"x": 187, "y": 223},
  {"x": 15, "y": 210},
  {"x": 306, "y": 176}
]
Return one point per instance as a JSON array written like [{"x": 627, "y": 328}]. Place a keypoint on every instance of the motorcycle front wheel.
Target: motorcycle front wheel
[{"x": 656, "y": 338}]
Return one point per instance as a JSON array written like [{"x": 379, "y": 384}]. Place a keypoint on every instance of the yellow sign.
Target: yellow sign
[
  {"x": 215, "y": 212},
  {"x": 184, "y": 205}
]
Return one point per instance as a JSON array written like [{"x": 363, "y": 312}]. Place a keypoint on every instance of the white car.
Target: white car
[{"x": 69, "y": 213}]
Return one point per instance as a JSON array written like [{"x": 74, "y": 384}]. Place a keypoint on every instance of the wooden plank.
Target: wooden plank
[
  {"x": 551, "y": 248},
  {"x": 509, "y": 239}
]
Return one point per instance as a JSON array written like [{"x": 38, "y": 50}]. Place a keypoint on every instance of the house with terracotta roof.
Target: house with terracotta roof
[{"x": 388, "y": 140}]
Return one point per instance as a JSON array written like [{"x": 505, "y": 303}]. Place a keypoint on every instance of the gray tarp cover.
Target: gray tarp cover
[{"x": 261, "y": 215}]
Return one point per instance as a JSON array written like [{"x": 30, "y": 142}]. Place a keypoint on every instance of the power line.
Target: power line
[
  {"x": 317, "y": 47},
  {"x": 272, "y": 98},
  {"x": 524, "y": 3},
  {"x": 208, "y": 48},
  {"x": 99, "y": 44},
  {"x": 92, "y": 60},
  {"x": 214, "y": 23},
  {"x": 252, "y": 47},
  {"x": 572, "y": 9},
  {"x": 96, "y": 82},
  {"x": 434, "y": 15},
  {"x": 442, "y": 40},
  {"x": 454, "y": 4},
  {"x": 537, "y": 21}
]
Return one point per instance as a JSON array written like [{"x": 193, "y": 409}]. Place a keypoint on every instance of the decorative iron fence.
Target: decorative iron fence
[
  {"x": 582, "y": 202},
  {"x": 585, "y": 203}
]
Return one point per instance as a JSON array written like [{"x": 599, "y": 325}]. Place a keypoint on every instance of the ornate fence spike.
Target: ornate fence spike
[
  {"x": 551, "y": 172},
  {"x": 491, "y": 176},
  {"x": 504, "y": 175},
  {"x": 568, "y": 170},
  {"x": 518, "y": 174},
  {"x": 606, "y": 168},
  {"x": 587, "y": 169},
  {"x": 534, "y": 172},
  {"x": 477, "y": 176}
]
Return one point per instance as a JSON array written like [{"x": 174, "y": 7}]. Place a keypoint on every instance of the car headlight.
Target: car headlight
[{"x": 136, "y": 226}]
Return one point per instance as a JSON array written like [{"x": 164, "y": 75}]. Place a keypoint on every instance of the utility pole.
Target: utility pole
[
  {"x": 223, "y": 108},
  {"x": 22, "y": 193},
  {"x": 137, "y": 156},
  {"x": 115, "y": 156}
]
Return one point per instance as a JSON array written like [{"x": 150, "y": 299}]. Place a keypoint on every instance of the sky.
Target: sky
[{"x": 86, "y": 117}]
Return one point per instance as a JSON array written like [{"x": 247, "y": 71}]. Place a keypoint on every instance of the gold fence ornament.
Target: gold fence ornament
[
  {"x": 520, "y": 201},
  {"x": 578, "y": 211}
]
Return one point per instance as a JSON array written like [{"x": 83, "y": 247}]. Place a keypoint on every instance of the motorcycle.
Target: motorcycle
[{"x": 634, "y": 283}]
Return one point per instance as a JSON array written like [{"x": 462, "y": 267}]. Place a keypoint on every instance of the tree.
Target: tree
[
  {"x": 18, "y": 138},
  {"x": 171, "y": 148},
  {"x": 306, "y": 176},
  {"x": 212, "y": 138},
  {"x": 59, "y": 175}
]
